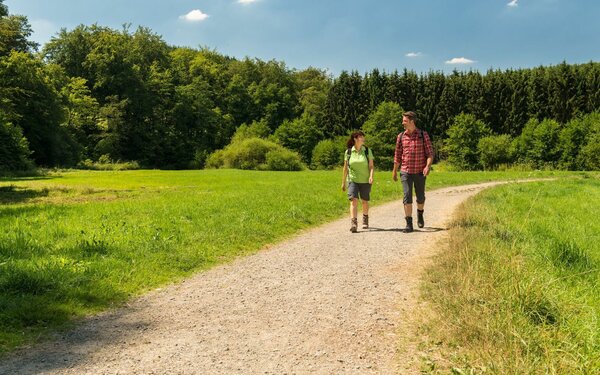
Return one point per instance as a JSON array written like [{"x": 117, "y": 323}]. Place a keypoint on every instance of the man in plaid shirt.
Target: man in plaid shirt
[{"x": 414, "y": 155}]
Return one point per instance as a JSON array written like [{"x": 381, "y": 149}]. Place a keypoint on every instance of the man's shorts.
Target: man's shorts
[
  {"x": 359, "y": 190},
  {"x": 408, "y": 180}
]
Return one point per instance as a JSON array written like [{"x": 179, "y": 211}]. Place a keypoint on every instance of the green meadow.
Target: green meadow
[
  {"x": 517, "y": 289},
  {"x": 73, "y": 243}
]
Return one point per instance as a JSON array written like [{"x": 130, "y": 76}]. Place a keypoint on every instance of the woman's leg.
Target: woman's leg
[
  {"x": 353, "y": 212},
  {"x": 365, "y": 196},
  {"x": 353, "y": 208},
  {"x": 365, "y": 208}
]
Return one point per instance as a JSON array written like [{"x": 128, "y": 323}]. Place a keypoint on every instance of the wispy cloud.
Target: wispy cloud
[
  {"x": 413, "y": 54},
  {"x": 460, "y": 61},
  {"x": 513, "y": 4},
  {"x": 195, "y": 15},
  {"x": 247, "y": 1}
]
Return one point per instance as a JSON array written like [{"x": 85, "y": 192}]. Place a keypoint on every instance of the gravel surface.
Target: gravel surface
[{"x": 326, "y": 301}]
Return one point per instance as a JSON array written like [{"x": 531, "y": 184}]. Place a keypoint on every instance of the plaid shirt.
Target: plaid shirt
[{"x": 411, "y": 155}]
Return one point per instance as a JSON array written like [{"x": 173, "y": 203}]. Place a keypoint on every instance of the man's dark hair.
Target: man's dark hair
[{"x": 412, "y": 116}]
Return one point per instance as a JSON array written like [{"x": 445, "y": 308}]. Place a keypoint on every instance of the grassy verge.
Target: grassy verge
[
  {"x": 517, "y": 290},
  {"x": 74, "y": 243}
]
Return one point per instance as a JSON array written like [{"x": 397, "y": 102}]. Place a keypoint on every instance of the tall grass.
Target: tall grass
[
  {"x": 517, "y": 290},
  {"x": 74, "y": 243}
]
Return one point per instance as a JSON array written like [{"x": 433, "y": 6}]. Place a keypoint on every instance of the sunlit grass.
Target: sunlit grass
[
  {"x": 74, "y": 243},
  {"x": 517, "y": 289}
]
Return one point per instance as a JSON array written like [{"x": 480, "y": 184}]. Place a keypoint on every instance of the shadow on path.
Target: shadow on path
[
  {"x": 71, "y": 348},
  {"x": 424, "y": 230}
]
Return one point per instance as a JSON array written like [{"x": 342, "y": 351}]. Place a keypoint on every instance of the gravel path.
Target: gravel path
[{"x": 326, "y": 301}]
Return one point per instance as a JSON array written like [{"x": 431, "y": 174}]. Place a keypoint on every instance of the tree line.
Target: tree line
[{"x": 98, "y": 94}]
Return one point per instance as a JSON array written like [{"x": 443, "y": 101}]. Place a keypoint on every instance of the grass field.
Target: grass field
[
  {"x": 77, "y": 242},
  {"x": 517, "y": 290}
]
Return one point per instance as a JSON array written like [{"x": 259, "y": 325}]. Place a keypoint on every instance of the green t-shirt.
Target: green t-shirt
[{"x": 358, "y": 165}]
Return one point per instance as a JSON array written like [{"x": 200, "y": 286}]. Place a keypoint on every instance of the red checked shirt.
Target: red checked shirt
[{"x": 412, "y": 154}]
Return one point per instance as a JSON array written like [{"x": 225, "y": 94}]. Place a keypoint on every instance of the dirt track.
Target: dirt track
[{"x": 326, "y": 301}]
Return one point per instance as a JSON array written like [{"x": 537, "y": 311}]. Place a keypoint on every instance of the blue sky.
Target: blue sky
[{"x": 336, "y": 35}]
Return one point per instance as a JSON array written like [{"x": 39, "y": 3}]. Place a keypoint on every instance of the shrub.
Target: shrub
[
  {"x": 248, "y": 154},
  {"x": 578, "y": 142},
  {"x": 329, "y": 153},
  {"x": 199, "y": 159},
  {"x": 381, "y": 129},
  {"x": 571, "y": 139},
  {"x": 283, "y": 160},
  {"x": 299, "y": 135},
  {"x": 105, "y": 163},
  {"x": 589, "y": 156},
  {"x": 494, "y": 150},
  {"x": 463, "y": 138},
  {"x": 252, "y": 154},
  {"x": 538, "y": 143},
  {"x": 215, "y": 160},
  {"x": 258, "y": 129}
]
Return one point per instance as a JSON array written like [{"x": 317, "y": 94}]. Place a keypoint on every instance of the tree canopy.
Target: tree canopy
[{"x": 95, "y": 92}]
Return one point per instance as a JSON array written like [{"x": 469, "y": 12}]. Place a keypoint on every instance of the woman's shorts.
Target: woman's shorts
[{"x": 359, "y": 190}]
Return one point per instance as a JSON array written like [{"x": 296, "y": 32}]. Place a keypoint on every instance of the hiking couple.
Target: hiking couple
[{"x": 414, "y": 155}]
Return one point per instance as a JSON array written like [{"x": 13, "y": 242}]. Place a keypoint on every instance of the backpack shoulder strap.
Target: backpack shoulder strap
[
  {"x": 349, "y": 153},
  {"x": 423, "y": 140},
  {"x": 401, "y": 138},
  {"x": 421, "y": 132}
]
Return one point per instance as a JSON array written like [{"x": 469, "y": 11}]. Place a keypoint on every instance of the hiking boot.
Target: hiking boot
[
  {"x": 353, "y": 225},
  {"x": 409, "y": 225},
  {"x": 420, "y": 220},
  {"x": 365, "y": 222}
]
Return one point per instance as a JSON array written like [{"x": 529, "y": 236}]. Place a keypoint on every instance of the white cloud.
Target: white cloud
[
  {"x": 513, "y": 4},
  {"x": 460, "y": 60},
  {"x": 247, "y": 1},
  {"x": 195, "y": 15},
  {"x": 413, "y": 54}
]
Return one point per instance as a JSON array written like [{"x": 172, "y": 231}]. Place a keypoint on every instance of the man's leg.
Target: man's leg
[
  {"x": 408, "y": 210},
  {"x": 407, "y": 186},
  {"x": 420, "y": 193}
]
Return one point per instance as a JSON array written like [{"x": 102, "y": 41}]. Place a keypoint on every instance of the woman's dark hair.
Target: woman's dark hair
[{"x": 353, "y": 136}]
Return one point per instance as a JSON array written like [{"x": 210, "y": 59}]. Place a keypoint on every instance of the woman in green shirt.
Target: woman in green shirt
[{"x": 358, "y": 174}]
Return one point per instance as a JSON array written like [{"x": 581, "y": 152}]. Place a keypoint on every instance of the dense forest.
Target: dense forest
[{"x": 98, "y": 95}]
